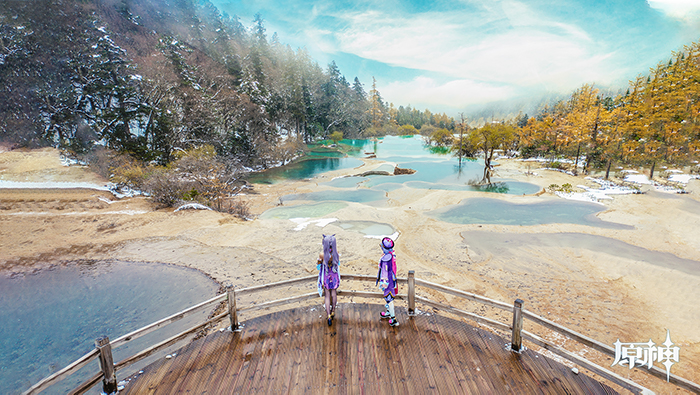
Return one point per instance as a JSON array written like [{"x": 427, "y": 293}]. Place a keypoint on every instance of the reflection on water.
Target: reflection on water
[
  {"x": 435, "y": 168},
  {"x": 303, "y": 169},
  {"x": 496, "y": 211},
  {"x": 500, "y": 243},
  {"x": 50, "y": 318}
]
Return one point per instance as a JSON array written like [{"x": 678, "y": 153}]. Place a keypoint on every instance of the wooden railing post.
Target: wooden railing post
[
  {"x": 109, "y": 381},
  {"x": 232, "y": 314},
  {"x": 516, "y": 340},
  {"x": 411, "y": 293}
]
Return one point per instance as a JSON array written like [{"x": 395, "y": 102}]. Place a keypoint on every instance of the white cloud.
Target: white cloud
[
  {"x": 425, "y": 92},
  {"x": 522, "y": 48},
  {"x": 681, "y": 9}
]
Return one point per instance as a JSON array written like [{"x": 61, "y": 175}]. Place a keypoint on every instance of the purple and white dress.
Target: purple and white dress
[{"x": 328, "y": 275}]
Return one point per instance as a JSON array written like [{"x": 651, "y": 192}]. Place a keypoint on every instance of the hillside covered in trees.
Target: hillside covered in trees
[
  {"x": 153, "y": 77},
  {"x": 656, "y": 121}
]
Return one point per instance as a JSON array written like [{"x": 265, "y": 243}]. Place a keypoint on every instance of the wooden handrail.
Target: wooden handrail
[
  {"x": 165, "y": 343},
  {"x": 466, "y": 295},
  {"x": 165, "y": 321},
  {"x": 63, "y": 373},
  {"x": 594, "y": 344},
  {"x": 615, "y": 378},
  {"x": 466, "y": 314},
  {"x": 607, "y": 350},
  {"x": 244, "y": 291}
]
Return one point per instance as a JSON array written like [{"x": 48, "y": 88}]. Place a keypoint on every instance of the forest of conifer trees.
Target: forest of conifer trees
[
  {"x": 152, "y": 77},
  {"x": 655, "y": 122}
]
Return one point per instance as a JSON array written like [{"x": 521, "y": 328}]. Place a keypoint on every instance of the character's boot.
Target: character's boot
[
  {"x": 392, "y": 317},
  {"x": 385, "y": 314}
]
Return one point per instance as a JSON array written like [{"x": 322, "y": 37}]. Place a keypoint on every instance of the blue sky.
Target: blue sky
[{"x": 459, "y": 55}]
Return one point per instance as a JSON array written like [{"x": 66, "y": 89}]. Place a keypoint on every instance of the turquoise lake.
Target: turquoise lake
[
  {"x": 50, "y": 318},
  {"x": 435, "y": 169}
]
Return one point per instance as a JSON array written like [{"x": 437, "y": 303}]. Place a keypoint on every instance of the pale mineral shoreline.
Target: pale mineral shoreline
[{"x": 604, "y": 296}]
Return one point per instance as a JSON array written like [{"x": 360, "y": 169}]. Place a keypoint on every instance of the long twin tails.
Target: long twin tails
[{"x": 389, "y": 313}]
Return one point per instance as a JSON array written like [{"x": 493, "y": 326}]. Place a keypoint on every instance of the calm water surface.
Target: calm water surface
[
  {"x": 51, "y": 318},
  {"x": 435, "y": 169},
  {"x": 496, "y": 211}
]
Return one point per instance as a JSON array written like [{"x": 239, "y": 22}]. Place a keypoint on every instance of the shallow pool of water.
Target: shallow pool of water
[
  {"x": 501, "y": 243},
  {"x": 367, "y": 228},
  {"x": 352, "y": 195},
  {"x": 51, "y": 318},
  {"x": 303, "y": 210},
  {"x": 496, "y": 211}
]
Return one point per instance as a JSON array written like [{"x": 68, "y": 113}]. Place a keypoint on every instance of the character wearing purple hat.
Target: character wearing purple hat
[{"x": 386, "y": 279}]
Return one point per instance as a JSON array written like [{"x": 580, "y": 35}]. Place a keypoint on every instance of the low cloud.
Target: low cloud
[
  {"x": 688, "y": 10},
  {"x": 518, "y": 51},
  {"x": 424, "y": 92}
]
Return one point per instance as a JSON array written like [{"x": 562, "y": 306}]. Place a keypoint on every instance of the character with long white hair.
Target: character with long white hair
[{"x": 328, "y": 275}]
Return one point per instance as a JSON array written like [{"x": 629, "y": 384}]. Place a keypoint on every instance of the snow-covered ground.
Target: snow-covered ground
[
  {"x": 192, "y": 206},
  {"x": 110, "y": 187},
  {"x": 302, "y": 223},
  {"x": 606, "y": 189}
]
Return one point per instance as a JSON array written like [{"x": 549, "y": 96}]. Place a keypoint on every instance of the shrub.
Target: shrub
[
  {"x": 127, "y": 171},
  {"x": 408, "y": 130},
  {"x": 553, "y": 188},
  {"x": 237, "y": 207},
  {"x": 442, "y": 138},
  {"x": 336, "y": 136},
  {"x": 165, "y": 187},
  {"x": 567, "y": 188},
  {"x": 558, "y": 165}
]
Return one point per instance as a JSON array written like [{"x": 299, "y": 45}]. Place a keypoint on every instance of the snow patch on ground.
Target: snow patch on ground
[
  {"x": 683, "y": 178},
  {"x": 560, "y": 170},
  {"x": 118, "y": 192},
  {"x": 302, "y": 223},
  {"x": 637, "y": 178},
  {"x": 606, "y": 189},
  {"x": 192, "y": 206}
]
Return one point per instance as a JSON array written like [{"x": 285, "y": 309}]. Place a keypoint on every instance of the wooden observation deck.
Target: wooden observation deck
[{"x": 295, "y": 351}]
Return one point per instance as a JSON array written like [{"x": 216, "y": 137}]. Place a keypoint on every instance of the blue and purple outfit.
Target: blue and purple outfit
[{"x": 386, "y": 279}]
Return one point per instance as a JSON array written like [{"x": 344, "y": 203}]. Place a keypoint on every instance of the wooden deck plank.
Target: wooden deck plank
[{"x": 296, "y": 352}]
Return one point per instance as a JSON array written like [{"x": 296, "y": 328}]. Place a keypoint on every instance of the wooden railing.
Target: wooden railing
[{"x": 103, "y": 347}]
